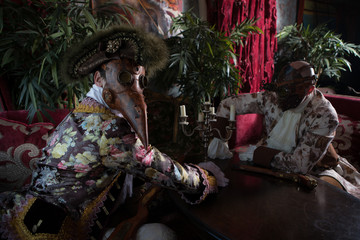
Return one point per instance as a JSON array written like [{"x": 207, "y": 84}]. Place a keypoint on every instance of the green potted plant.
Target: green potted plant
[
  {"x": 203, "y": 62},
  {"x": 33, "y": 37},
  {"x": 321, "y": 47}
]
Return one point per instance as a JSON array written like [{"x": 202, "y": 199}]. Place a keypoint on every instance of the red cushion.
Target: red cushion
[
  {"x": 249, "y": 129},
  {"x": 344, "y": 104},
  {"x": 20, "y": 147},
  {"x": 21, "y": 116},
  {"x": 347, "y": 139}
]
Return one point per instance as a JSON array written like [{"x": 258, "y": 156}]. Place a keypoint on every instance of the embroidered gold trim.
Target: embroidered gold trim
[
  {"x": 90, "y": 208},
  {"x": 23, "y": 232},
  {"x": 212, "y": 181},
  {"x": 91, "y": 109},
  {"x": 68, "y": 227}
]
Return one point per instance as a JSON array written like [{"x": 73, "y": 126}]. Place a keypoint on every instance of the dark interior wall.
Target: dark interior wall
[
  {"x": 348, "y": 25},
  {"x": 286, "y": 13},
  {"x": 343, "y": 17},
  {"x": 199, "y": 7}
]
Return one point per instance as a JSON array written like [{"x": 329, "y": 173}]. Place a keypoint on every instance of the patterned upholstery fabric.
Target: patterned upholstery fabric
[
  {"x": 347, "y": 139},
  {"x": 21, "y": 144},
  {"x": 20, "y": 148}
]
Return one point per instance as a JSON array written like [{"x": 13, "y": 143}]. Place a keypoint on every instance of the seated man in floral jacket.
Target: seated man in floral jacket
[
  {"x": 299, "y": 123},
  {"x": 103, "y": 142}
]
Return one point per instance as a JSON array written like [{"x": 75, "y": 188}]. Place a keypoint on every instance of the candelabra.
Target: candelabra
[{"x": 206, "y": 131}]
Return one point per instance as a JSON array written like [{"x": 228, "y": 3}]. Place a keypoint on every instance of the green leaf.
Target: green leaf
[
  {"x": 1, "y": 20},
  {"x": 35, "y": 45},
  {"x": 89, "y": 17},
  {"x": 40, "y": 89},
  {"x": 56, "y": 35},
  {"x": 54, "y": 74},
  {"x": 346, "y": 63},
  {"x": 327, "y": 62},
  {"x": 27, "y": 32},
  {"x": 209, "y": 46},
  {"x": 23, "y": 89},
  {"x": 32, "y": 95},
  {"x": 41, "y": 70},
  {"x": 7, "y": 57},
  {"x": 6, "y": 41}
]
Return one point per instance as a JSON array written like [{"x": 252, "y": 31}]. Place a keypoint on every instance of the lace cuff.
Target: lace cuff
[
  {"x": 209, "y": 185},
  {"x": 221, "y": 180}
]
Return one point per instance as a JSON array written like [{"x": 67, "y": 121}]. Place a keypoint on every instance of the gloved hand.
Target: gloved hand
[
  {"x": 247, "y": 154},
  {"x": 219, "y": 149},
  {"x": 212, "y": 168}
]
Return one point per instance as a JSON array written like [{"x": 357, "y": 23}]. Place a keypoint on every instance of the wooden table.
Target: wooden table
[{"x": 256, "y": 206}]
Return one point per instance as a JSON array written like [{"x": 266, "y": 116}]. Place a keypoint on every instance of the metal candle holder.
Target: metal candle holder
[{"x": 205, "y": 129}]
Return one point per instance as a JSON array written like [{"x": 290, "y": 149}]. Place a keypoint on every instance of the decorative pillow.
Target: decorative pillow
[
  {"x": 20, "y": 148},
  {"x": 249, "y": 129},
  {"x": 347, "y": 139}
]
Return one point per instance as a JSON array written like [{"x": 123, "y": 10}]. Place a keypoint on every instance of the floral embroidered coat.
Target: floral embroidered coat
[
  {"x": 314, "y": 133},
  {"x": 84, "y": 155}
]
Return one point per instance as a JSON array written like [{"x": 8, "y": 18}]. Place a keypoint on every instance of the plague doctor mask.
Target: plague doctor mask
[{"x": 126, "y": 57}]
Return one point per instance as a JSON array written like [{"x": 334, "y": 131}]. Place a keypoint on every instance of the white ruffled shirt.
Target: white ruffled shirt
[
  {"x": 283, "y": 136},
  {"x": 96, "y": 93}
]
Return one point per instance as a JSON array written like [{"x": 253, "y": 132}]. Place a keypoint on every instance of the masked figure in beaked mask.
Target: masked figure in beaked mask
[
  {"x": 104, "y": 139},
  {"x": 299, "y": 127}
]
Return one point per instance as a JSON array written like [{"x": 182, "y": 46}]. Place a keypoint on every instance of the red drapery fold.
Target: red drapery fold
[{"x": 256, "y": 58}]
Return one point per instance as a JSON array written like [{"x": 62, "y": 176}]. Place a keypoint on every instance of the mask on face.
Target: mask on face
[
  {"x": 123, "y": 91},
  {"x": 294, "y": 82},
  {"x": 123, "y": 52}
]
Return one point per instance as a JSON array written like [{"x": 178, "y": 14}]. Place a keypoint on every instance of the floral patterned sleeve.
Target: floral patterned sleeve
[
  {"x": 244, "y": 103},
  {"x": 305, "y": 156},
  {"x": 316, "y": 132},
  {"x": 87, "y": 151},
  {"x": 319, "y": 128},
  {"x": 191, "y": 181}
]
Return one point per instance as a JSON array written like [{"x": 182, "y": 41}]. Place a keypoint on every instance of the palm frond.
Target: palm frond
[
  {"x": 35, "y": 34},
  {"x": 203, "y": 60},
  {"x": 320, "y": 47}
]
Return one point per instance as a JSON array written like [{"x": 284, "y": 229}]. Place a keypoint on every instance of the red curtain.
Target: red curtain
[{"x": 256, "y": 58}]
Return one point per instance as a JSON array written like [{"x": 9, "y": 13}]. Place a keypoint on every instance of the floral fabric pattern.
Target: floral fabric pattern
[
  {"x": 314, "y": 134},
  {"x": 88, "y": 150},
  {"x": 316, "y": 130},
  {"x": 84, "y": 155}
]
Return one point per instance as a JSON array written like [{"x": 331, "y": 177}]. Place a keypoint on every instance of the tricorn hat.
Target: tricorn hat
[{"x": 121, "y": 41}]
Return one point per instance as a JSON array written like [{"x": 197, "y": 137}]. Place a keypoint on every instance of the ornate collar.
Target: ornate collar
[{"x": 90, "y": 105}]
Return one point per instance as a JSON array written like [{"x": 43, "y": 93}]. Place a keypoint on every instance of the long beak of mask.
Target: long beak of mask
[
  {"x": 112, "y": 52},
  {"x": 132, "y": 106},
  {"x": 129, "y": 101}
]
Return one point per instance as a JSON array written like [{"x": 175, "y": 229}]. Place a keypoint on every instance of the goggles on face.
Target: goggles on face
[
  {"x": 123, "y": 92},
  {"x": 286, "y": 88},
  {"x": 127, "y": 79}
]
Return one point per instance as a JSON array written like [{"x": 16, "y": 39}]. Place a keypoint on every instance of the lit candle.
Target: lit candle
[
  {"x": 201, "y": 117},
  {"x": 232, "y": 113},
  {"x": 182, "y": 111},
  {"x": 212, "y": 110}
]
